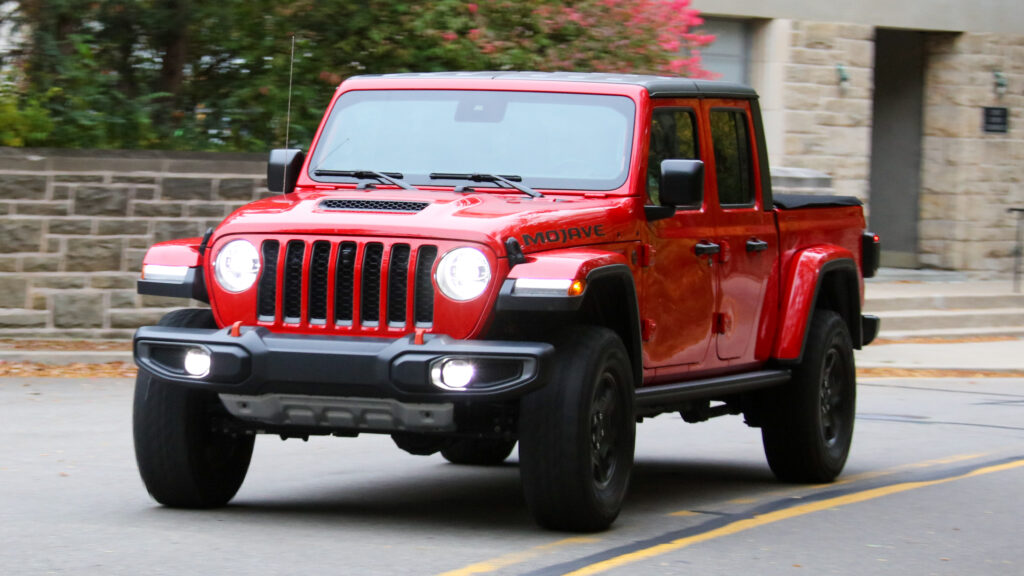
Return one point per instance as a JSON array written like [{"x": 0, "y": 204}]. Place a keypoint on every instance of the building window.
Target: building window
[{"x": 729, "y": 55}]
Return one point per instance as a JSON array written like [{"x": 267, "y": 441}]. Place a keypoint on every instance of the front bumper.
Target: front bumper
[{"x": 258, "y": 362}]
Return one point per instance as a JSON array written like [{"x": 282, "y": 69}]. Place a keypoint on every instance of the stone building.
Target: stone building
[{"x": 890, "y": 99}]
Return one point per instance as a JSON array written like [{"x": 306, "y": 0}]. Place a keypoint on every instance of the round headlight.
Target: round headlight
[
  {"x": 463, "y": 274},
  {"x": 237, "y": 266}
]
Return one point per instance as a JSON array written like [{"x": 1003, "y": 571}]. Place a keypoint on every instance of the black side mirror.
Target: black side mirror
[
  {"x": 283, "y": 169},
  {"x": 682, "y": 183}
]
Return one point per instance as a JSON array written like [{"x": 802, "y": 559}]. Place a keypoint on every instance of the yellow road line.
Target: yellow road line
[
  {"x": 913, "y": 466},
  {"x": 851, "y": 479},
  {"x": 507, "y": 560},
  {"x": 779, "y": 515}
]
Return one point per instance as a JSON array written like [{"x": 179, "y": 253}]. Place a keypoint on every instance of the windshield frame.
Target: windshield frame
[{"x": 619, "y": 102}]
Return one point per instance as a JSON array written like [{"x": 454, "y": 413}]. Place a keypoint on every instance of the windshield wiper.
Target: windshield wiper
[
  {"x": 510, "y": 181},
  {"x": 389, "y": 177}
]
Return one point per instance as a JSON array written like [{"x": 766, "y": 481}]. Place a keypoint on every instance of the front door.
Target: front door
[{"x": 678, "y": 303}]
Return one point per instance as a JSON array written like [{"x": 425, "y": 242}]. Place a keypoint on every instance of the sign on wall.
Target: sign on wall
[{"x": 996, "y": 120}]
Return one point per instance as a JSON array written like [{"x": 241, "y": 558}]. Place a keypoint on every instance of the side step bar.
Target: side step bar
[{"x": 652, "y": 400}]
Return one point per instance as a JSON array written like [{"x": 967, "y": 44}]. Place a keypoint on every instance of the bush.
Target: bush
[{"x": 174, "y": 74}]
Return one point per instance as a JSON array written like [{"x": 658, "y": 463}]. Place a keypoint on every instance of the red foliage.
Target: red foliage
[{"x": 625, "y": 36}]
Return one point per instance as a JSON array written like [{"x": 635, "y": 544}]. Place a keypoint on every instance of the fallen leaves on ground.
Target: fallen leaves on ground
[
  {"x": 73, "y": 370},
  {"x": 926, "y": 373},
  {"x": 941, "y": 340}
]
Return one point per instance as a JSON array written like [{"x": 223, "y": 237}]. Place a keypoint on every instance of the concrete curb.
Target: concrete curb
[{"x": 60, "y": 357}]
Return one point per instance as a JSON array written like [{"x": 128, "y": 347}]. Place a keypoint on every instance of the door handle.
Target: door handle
[
  {"x": 707, "y": 248},
  {"x": 755, "y": 245}
]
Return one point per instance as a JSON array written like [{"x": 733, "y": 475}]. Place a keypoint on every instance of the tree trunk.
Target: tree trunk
[{"x": 174, "y": 41}]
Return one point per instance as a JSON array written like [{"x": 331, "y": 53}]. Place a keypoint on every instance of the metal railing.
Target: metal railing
[{"x": 1018, "y": 250}]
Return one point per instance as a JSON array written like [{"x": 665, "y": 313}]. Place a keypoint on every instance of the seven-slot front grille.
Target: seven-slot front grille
[{"x": 346, "y": 283}]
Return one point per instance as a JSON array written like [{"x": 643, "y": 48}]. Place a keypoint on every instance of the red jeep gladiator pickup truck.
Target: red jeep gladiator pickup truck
[{"x": 465, "y": 261}]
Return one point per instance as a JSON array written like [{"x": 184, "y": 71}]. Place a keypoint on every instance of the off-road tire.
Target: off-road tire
[
  {"x": 478, "y": 451},
  {"x": 577, "y": 434},
  {"x": 183, "y": 460},
  {"x": 808, "y": 424},
  {"x": 419, "y": 444}
]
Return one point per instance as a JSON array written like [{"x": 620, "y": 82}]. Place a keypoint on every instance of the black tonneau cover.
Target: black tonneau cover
[{"x": 794, "y": 201}]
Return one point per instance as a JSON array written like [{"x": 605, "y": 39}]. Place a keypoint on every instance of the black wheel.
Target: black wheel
[
  {"x": 478, "y": 451},
  {"x": 576, "y": 435},
  {"x": 809, "y": 425},
  {"x": 419, "y": 444},
  {"x": 184, "y": 461}
]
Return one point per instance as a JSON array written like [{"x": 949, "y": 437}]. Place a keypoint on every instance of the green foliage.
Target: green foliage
[
  {"x": 188, "y": 74},
  {"x": 23, "y": 124}
]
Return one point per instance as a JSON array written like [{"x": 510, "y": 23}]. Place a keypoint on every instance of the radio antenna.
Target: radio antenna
[{"x": 288, "y": 114}]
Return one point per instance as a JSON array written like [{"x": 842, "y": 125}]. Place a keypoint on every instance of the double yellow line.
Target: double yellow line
[
  {"x": 779, "y": 515},
  {"x": 734, "y": 527}
]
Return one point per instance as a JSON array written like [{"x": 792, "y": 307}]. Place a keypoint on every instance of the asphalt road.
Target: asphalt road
[{"x": 933, "y": 486}]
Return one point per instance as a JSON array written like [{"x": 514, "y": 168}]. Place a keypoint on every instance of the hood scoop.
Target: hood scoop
[{"x": 349, "y": 205}]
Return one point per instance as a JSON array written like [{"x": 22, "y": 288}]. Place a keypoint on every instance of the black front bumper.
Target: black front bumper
[{"x": 258, "y": 362}]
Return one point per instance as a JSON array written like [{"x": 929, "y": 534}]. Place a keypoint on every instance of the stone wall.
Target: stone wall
[
  {"x": 74, "y": 226},
  {"x": 970, "y": 178},
  {"x": 827, "y": 126}
]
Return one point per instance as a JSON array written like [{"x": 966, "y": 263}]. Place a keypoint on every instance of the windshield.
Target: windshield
[{"x": 556, "y": 141}]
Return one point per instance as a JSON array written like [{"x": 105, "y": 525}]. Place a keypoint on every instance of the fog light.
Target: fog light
[
  {"x": 197, "y": 362},
  {"x": 452, "y": 374}
]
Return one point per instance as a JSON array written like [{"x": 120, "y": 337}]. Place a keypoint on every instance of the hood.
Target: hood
[{"x": 481, "y": 217}]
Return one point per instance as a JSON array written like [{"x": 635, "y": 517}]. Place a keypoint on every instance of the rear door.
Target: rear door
[{"x": 744, "y": 230}]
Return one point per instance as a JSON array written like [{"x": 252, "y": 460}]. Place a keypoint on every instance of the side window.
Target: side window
[
  {"x": 733, "y": 166},
  {"x": 673, "y": 136}
]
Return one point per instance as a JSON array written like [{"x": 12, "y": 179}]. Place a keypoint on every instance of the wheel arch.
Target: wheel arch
[
  {"x": 824, "y": 278},
  {"x": 611, "y": 301}
]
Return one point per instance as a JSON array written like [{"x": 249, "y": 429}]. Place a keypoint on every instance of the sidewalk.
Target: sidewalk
[
  {"x": 1002, "y": 355},
  {"x": 923, "y": 284},
  {"x": 63, "y": 357}
]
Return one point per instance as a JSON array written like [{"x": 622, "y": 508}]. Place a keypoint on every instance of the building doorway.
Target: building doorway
[{"x": 896, "y": 138}]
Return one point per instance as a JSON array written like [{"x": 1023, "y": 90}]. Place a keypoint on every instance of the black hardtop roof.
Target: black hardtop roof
[{"x": 657, "y": 86}]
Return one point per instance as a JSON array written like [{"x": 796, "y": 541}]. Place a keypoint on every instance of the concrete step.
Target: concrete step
[
  {"x": 954, "y": 334},
  {"x": 903, "y": 320},
  {"x": 878, "y": 304}
]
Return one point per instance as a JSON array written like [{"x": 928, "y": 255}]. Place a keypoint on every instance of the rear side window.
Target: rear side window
[
  {"x": 733, "y": 167},
  {"x": 673, "y": 137}
]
